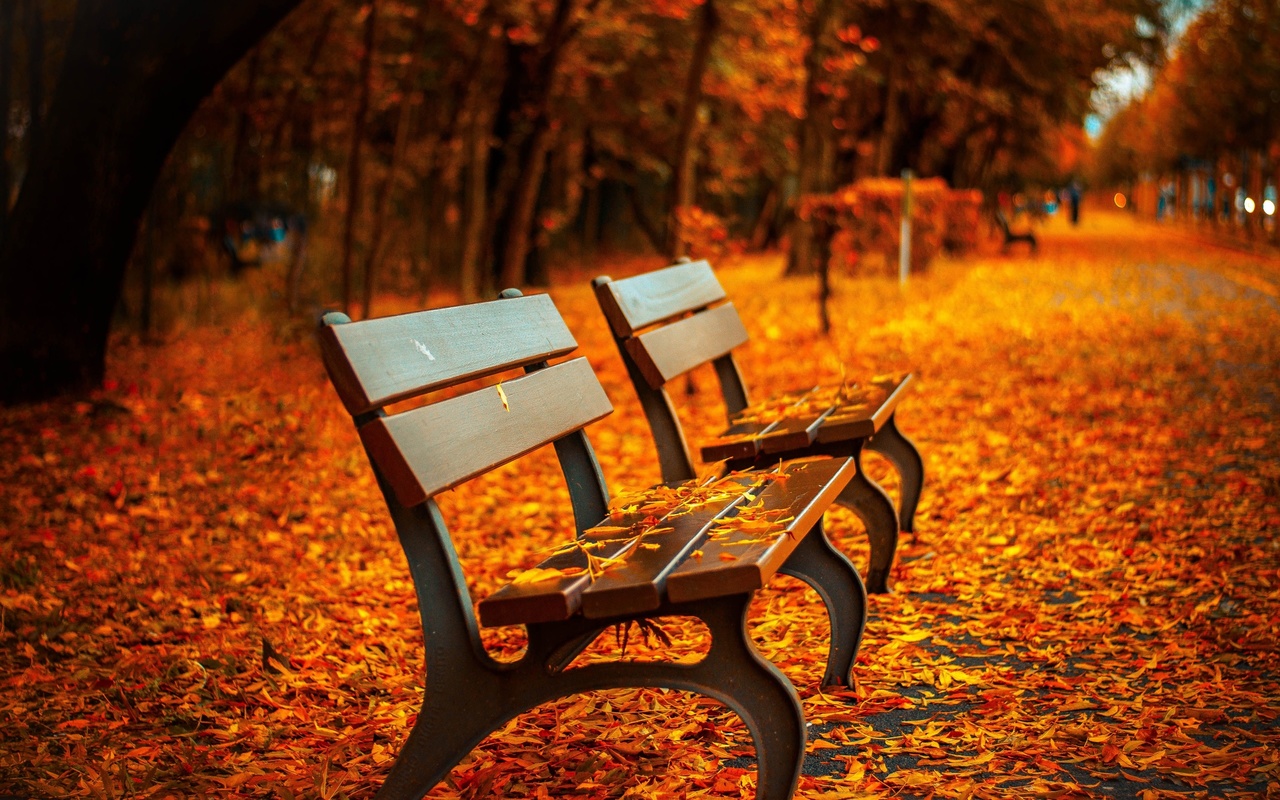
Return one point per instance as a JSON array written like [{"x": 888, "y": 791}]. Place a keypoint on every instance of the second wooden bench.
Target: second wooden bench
[{"x": 670, "y": 321}]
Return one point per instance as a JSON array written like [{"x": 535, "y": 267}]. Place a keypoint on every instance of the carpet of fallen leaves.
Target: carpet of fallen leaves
[{"x": 201, "y": 595}]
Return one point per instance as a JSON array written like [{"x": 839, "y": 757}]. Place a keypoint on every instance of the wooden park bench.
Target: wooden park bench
[
  {"x": 673, "y": 320},
  {"x": 1011, "y": 237},
  {"x": 696, "y": 549}
]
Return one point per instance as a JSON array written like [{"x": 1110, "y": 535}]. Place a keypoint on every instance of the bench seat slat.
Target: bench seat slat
[
  {"x": 377, "y": 362},
  {"x": 561, "y": 597},
  {"x": 737, "y": 443},
  {"x": 436, "y": 447},
  {"x": 643, "y": 300},
  {"x": 670, "y": 351},
  {"x": 853, "y": 419},
  {"x": 793, "y": 432},
  {"x": 742, "y": 561},
  {"x": 545, "y": 600},
  {"x": 859, "y": 421},
  {"x": 636, "y": 585},
  {"x": 744, "y": 438}
]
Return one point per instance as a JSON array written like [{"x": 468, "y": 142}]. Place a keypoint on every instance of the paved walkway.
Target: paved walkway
[{"x": 1103, "y": 603}]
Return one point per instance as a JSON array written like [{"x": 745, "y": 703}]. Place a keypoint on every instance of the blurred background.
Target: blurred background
[{"x": 452, "y": 147}]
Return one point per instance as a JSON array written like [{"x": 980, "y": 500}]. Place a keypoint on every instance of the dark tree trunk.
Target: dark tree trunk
[
  {"x": 240, "y": 184},
  {"x": 522, "y": 137},
  {"x": 812, "y": 130},
  {"x": 290, "y": 104},
  {"x": 383, "y": 209},
  {"x": 35, "y": 69},
  {"x": 353, "y": 159},
  {"x": 132, "y": 76},
  {"x": 682, "y": 164},
  {"x": 6, "y": 103}
]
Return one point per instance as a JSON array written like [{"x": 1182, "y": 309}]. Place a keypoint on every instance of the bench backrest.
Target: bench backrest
[
  {"x": 666, "y": 323},
  {"x": 672, "y": 320},
  {"x": 434, "y": 447}
]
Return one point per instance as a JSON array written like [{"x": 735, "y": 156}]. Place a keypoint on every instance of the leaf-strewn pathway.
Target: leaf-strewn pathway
[{"x": 201, "y": 594}]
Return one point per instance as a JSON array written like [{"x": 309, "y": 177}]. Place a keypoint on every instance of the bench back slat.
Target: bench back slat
[
  {"x": 634, "y": 303},
  {"x": 380, "y": 361},
  {"x": 672, "y": 350},
  {"x": 436, "y": 447}
]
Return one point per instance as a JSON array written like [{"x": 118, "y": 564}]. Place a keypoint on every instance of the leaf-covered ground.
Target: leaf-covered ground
[{"x": 201, "y": 594}]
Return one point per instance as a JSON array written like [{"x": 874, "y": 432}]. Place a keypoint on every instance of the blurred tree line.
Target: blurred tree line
[
  {"x": 483, "y": 143},
  {"x": 1206, "y": 134}
]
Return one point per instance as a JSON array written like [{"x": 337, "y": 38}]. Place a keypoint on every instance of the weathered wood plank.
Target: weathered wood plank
[
  {"x": 862, "y": 419},
  {"x": 634, "y": 303},
  {"x": 735, "y": 561},
  {"x": 672, "y": 350},
  {"x": 793, "y": 432},
  {"x": 545, "y": 600},
  {"x": 376, "y": 362},
  {"x": 636, "y": 584},
  {"x": 436, "y": 447},
  {"x": 737, "y": 443},
  {"x": 744, "y": 438},
  {"x": 659, "y": 516}
]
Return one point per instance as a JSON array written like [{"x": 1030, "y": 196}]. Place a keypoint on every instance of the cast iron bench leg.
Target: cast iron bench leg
[
  {"x": 733, "y": 672},
  {"x": 866, "y": 499},
  {"x": 890, "y": 443},
  {"x": 837, "y": 582},
  {"x": 455, "y": 718}
]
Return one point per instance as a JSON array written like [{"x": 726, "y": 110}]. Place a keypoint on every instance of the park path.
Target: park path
[
  {"x": 202, "y": 596},
  {"x": 1099, "y": 548}
]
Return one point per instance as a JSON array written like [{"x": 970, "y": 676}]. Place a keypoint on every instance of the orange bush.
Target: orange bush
[{"x": 866, "y": 217}]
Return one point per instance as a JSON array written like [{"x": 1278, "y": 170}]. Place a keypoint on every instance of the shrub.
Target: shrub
[
  {"x": 866, "y": 217},
  {"x": 704, "y": 234}
]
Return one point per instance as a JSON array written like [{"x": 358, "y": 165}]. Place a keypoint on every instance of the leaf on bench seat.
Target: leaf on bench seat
[
  {"x": 539, "y": 574},
  {"x": 793, "y": 421},
  {"x": 741, "y": 555},
  {"x": 555, "y": 588}
]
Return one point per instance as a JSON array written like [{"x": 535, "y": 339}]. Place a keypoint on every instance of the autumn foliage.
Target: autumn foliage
[
  {"x": 201, "y": 593},
  {"x": 865, "y": 218}
]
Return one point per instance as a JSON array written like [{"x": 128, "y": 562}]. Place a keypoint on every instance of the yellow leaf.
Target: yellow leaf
[
  {"x": 914, "y": 636},
  {"x": 975, "y": 761},
  {"x": 502, "y": 395},
  {"x": 601, "y": 531},
  {"x": 540, "y": 574}
]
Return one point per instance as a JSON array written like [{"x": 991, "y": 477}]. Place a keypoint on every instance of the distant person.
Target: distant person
[{"x": 1073, "y": 202}]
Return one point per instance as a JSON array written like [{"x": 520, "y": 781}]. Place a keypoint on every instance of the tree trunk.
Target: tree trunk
[
  {"x": 476, "y": 208},
  {"x": 35, "y": 70},
  {"x": 762, "y": 231},
  {"x": 353, "y": 158},
  {"x": 6, "y": 103},
  {"x": 520, "y": 219},
  {"x": 132, "y": 76},
  {"x": 800, "y": 259},
  {"x": 287, "y": 108},
  {"x": 682, "y": 162},
  {"x": 521, "y": 137},
  {"x": 238, "y": 166},
  {"x": 374, "y": 254},
  {"x": 891, "y": 135}
]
